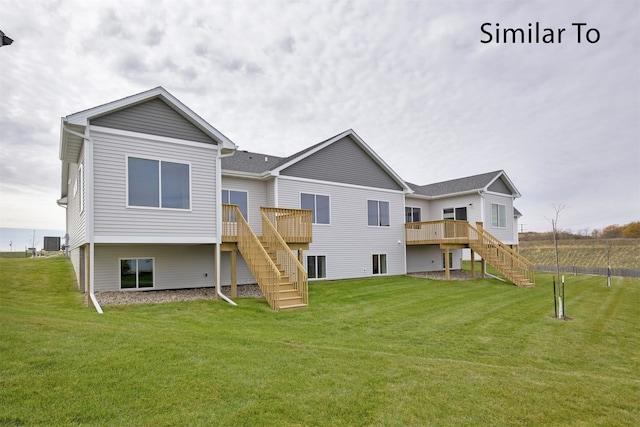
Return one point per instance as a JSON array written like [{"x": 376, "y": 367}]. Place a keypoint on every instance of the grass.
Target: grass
[
  {"x": 380, "y": 351},
  {"x": 623, "y": 253}
]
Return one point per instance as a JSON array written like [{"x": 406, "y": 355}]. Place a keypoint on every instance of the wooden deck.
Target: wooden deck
[{"x": 294, "y": 225}]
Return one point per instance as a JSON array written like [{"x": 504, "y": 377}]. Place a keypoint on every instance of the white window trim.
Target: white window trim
[
  {"x": 159, "y": 160},
  {"x": 325, "y": 265},
  {"x": 153, "y": 260},
  {"x": 505, "y": 216},
  {"x": 386, "y": 258},
  {"x": 405, "y": 213},
  {"x": 315, "y": 204},
  {"x": 80, "y": 189},
  {"x": 239, "y": 191},
  {"x": 367, "y": 208}
]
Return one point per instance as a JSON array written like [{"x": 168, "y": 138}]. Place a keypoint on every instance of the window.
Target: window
[
  {"x": 136, "y": 273},
  {"x": 379, "y": 263},
  {"x": 317, "y": 266},
  {"x": 498, "y": 215},
  {"x": 448, "y": 213},
  {"x": 378, "y": 213},
  {"x": 158, "y": 184},
  {"x": 411, "y": 214},
  {"x": 459, "y": 214},
  {"x": 232, "y": 197},
  {"x": 319, "y": 205}
]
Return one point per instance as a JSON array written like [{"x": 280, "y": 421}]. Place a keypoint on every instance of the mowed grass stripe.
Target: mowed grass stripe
[{"x": 381, "y": 351}]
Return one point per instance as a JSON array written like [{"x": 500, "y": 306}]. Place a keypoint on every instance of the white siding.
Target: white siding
[
  {"x": 429, "y": 258},
  {"x": 114, "y": 221},
  {"x": 348, "y": 242},
  {"x": 257, "y": 197},
  {"x": 175, "y": 267},
  {"x": 243, "y": 274},
  {"x": 76, "y": 219},
  {"x": 504, "y": 234},
  {"x": 471, "y": 201}
]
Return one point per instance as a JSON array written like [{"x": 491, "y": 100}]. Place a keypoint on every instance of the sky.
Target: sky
[{"x": 420, "y": 82}]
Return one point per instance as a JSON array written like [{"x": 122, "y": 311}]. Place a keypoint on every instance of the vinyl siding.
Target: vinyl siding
[
  {"x": 257, "y": 197},
  {"x": 504, "y": 234},
  {"x": 429, "y": 258},
  {"x": 499, "y": 187},
  {"x": 348, "y": 242},
  {"x": 345, "y": 162},
  {"x": 175, "y": 266},
  {"x": 113, "y": 218},
  {"x": 474, "y": 212},
  {"x": 153, "y": 117},
  {"x": 76, "y": 219}
]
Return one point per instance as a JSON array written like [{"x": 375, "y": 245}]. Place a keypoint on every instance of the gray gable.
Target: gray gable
[
  {"x": 343, "y": 161},
  {"x": 460, "y": 185},
  {"x": 153, "y": 117},
  {"x": 499, "y": 186}
]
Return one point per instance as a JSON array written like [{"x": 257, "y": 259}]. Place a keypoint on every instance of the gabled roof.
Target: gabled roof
[
  {"x": 73, "y": 126},
  {"x": 77, "y": 122},
  {"x": 469, "y": 184},
  {"x": 307, "y": 152}
]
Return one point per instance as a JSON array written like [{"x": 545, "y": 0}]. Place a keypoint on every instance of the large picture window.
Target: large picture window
[
  {"x": 498, "y": 215},
  {"x": 378, "y": 213},
  {"x": 240, "y": 198},
  {"x": 136, "y": 273},
  {"x": 379, "y": 263},
  {"x": 158, "y": 184},
  {"x": 319, "y": 205},
  {"x": 317, "y": 266}
]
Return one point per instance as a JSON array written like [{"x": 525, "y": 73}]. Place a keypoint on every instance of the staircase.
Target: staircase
[
  {"x": 504, "y": 259},
  {"x": 281, "y": 277}
]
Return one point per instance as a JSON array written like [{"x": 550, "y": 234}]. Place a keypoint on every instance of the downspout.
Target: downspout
[
  {"x": 88, "y": 183},
  {"x": 219, "y": 223}
]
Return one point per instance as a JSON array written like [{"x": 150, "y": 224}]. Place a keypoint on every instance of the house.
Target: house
[{"x": 157, "y": 198}]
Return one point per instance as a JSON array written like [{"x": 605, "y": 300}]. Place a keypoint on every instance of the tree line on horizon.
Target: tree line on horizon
[{"x": 615, "y": 231}]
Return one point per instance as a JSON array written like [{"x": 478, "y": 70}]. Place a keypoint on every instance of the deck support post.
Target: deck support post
[
  {"x": 234, "y": 280},
  {"x": 447, "y": 273},
  {"x": 483, "y": 268},
  {"x": 473, "y": 264}
]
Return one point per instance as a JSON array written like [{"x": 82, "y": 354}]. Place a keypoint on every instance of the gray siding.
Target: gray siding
[
  {"x": 343, "y": 161},
  {"x": 113, "y": 218},
  {"x": 348, "y": 242},
  {"x": 499, "y": 186},
  {"x": 153, "y": 117},
  {"x": 175, "y": 266}
]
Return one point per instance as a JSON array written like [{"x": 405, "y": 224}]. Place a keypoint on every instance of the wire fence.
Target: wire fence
[{"x": 598, "y": 271}]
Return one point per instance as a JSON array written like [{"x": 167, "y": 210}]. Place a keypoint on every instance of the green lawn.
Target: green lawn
[{"x": 390, "y": 351}]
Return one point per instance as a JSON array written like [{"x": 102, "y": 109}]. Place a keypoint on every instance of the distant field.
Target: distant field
[{"x": 623, "y": 253}]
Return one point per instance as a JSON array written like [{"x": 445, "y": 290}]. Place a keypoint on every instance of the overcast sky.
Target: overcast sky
[{"x": 412, "y": 78}]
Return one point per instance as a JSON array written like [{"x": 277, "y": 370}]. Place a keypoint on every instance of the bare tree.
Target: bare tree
[{"x": 557, "y": 207}]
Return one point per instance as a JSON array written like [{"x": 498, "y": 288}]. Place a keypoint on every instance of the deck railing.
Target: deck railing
[
  {"x": 277, "y": 247},
  {"x": 230, "y": 214},
  {"x": 434, "y": 232},
  {"x": 262, "y": 267},
  {"x": 294, "y": 225},
  {"x": 509, "y": 262}
]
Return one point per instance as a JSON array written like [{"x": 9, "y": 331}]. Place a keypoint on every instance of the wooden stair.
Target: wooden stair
[
  {"x": 511, "y": 264},
  {"x": 288, "y": 296}
]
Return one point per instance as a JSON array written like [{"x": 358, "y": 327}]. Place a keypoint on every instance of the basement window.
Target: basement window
[
  {"x": 379, "y": 263},
  {"x": 317, "y": 266},
  {"x": 136, "y": 273}
]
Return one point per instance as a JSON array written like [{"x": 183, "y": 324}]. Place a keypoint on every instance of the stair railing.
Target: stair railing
[
  {"x": 513, "y": 265},
  {"x": 294, "y": 225},
  {"x": 258, "y": 260},
  {"x": 284, "y": 257}
]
